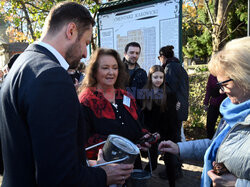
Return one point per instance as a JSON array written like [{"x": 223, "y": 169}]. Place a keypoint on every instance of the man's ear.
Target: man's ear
[{"x": 71, "y": 31}]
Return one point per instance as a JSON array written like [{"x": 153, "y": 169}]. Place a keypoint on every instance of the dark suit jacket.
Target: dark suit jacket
[{"x": 42, "y": 131}]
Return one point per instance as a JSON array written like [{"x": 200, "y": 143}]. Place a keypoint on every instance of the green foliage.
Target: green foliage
[
  {"x": 200, "y": 46},
  {"x": 197, "y": 91},
  {"x": 241, "y": 10},
  {"x": 26, "y": 18},
  {"x": 198, "y": 42},
  {"x": 94, "y": 8},
  {"x": 238, "y": 17},
  {"x": 203, "y": 17},
  {"x": 198, "y": 28},
  {"x": 201, "y": 69}
]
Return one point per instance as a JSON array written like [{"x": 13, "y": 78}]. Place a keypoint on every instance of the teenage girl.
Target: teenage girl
[{"x": 159, "y": 109}]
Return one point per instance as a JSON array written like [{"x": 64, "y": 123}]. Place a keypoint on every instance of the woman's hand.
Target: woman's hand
[
  {"x": 223, "y": 180},
  {"x": 169, "y": 147},
  {"x": 145, "y": 146},
  {"x": 76, "y": 84}
]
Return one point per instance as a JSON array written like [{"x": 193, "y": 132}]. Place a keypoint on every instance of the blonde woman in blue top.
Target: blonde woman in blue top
[{"x": 230, "y": 144}]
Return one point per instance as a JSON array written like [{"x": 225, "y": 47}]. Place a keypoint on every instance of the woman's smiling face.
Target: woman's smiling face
[
  {"x": 107, "y": 72},
  {"x": 232, "y": 89}
]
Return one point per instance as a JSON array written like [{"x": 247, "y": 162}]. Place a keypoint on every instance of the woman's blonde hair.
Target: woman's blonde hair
[
  {"x": 162, "y": 101},
  {"x": 234, "y": 61},
  {"x": 91, "y": 70}
]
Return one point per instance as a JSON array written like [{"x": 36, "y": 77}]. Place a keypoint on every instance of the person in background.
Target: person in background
[
  {"x": 230, "y": 145},
  {"x": 41, "y": 122},
  {"x": 12, "y": 60},
  {"x": 5, "y": 70},
  {"x": 212, "y": 102},
  {"x": 177, "y": 82},
  {"x": 8, "y": 66},
  {"x": 75, "y": 76},
  {"x": 81, "y": 69},
  {"x": 1, "y": 158},
  {"x": 108, "y": 107},
  {"x": 159, "y": 109},
  {"x": 1, "y": 77},
  {"x": 137, "y": 75}
]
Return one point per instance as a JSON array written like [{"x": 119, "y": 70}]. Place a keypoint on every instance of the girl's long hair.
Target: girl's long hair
[{"x": 160, "y": 100}]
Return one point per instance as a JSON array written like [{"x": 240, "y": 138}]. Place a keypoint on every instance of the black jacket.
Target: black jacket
[
  {"x": 177, "y": 82},
  {"x": 42, "y": 127},
  {"x": 137, "y": 80},
  {"x": 163, "y": 122}
]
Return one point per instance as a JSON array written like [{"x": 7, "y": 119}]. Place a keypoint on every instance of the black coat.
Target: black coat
[
  {"x": 137, "y": 80},
  {"x": 177, "y": 82},
  {"x": 41, "y": 125},
  {"x": 163, "y": 122}
]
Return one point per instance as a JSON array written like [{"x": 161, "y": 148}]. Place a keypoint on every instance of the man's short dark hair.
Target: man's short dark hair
[
  {"x": 133, "y": 44},
  {"x": 67, "y": 12}
]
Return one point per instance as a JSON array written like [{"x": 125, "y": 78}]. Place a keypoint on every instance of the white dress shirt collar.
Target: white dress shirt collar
[{"x": 59, "y": 57}]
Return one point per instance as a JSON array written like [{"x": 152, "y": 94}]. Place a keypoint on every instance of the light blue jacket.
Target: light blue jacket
[{"x": 234, "y": 150}]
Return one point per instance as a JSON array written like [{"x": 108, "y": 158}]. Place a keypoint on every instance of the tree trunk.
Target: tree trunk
[
  {"x": 29, "y": 24},
  {"x": 219, "y": 29},
  {"x": 219, "y": 33}
]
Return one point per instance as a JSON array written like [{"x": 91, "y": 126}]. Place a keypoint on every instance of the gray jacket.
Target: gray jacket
[{"x": 234, "y": 150}]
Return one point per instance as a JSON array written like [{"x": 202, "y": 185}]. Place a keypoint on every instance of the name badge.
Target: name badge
[{"x": 126, "y": 101}]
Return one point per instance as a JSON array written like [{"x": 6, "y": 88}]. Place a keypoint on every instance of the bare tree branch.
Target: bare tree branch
[
  {"x": 224, "y": 39},
  {"x": 215, "y": 8},
  {"x": 29, "y": 25},
  {"x": 225, "y": 15},
  {"x": 97, "y": 2},
  {"x": 195, "y": 5},
  {"x": 38, "y": 8},
  {"x": 209, "y": 13}
]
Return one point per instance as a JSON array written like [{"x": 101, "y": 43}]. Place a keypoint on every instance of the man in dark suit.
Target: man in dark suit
[{"x": 42, "y": 131}]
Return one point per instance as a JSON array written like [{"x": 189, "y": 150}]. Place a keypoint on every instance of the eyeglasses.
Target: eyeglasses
[
  {"x": 159, "y": 57},
  {"x": 220, "y": 84}
]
